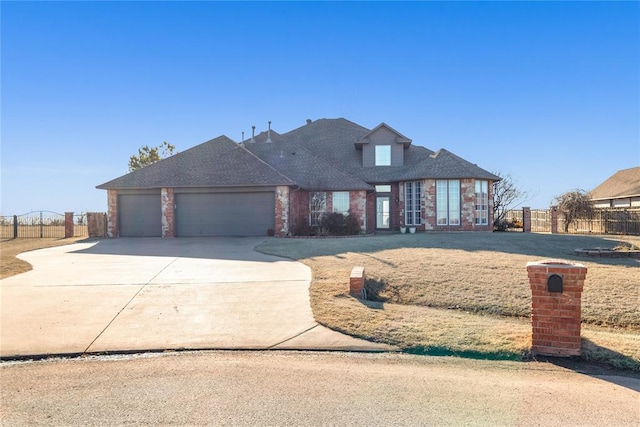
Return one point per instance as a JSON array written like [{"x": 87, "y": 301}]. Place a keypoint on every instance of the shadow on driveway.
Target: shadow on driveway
[{"x": 219, "y": 248}]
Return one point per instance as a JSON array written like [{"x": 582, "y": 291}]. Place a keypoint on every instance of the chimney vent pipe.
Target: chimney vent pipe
[{"x": 269, "y": 132}]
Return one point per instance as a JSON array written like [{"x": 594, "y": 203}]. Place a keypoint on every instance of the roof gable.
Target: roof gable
[
  {"x": 400, "y": 138},
  {"x": 624, "y": 183}
]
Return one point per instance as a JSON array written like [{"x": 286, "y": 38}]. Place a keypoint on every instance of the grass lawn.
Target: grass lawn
[
  {"x": 10, "y": 265},
  {"x": 466, "y": 293}
]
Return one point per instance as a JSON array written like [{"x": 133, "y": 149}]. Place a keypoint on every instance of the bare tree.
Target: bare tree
[
  {"x": 506, "y": 195},
  {"x": 148, "y": 155},
  {"x": 573, "y": 205}
]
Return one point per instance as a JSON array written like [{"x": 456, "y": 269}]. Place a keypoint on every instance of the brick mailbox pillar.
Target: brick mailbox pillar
[{"x": 556, "y": 301}]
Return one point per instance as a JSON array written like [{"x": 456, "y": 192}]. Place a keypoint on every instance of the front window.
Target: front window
[
  {"x": 341, "y": 202},
  {"x": 482, "y": 202},
  {"x": 383, "y": 155},
  {"x": 448, "y": 201},
  {"x": 317, "y": 207},
  {"x": 412, "y": 203}
]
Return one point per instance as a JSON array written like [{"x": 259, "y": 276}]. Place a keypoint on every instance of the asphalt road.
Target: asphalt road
[{"x": 298, "y": 388}]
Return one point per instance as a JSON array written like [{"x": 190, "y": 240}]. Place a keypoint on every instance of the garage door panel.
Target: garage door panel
[
  {"x": 224, "y": 214},
  {"x": 139, "y": 215}
]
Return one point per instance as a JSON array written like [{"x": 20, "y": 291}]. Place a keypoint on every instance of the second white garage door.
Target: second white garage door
[{"x": 224, "y": 214}]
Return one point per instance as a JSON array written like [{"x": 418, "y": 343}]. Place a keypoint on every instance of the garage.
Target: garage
[
  {"x": 224, "y": 214},
  {"x": 139, "y": 215}
]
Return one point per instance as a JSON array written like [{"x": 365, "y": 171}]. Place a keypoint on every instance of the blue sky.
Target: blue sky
[{"x": 546, "y": 92}]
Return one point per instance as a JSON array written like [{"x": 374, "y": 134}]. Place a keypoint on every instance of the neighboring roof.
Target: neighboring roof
[
  {"x": 219, "y": 162},
  {"x": 622, "y": 184},
  {"x": 318, "y": 155}
]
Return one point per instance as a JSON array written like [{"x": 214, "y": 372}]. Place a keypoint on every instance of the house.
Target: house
[
  {"x": 280, "y": 184},
  {"x": 620, "y": 190}
]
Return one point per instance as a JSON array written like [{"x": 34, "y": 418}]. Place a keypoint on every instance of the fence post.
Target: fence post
[
  {"x": 15, "y": 226},
  {"x": 68, "y": 225},
  {"x": 526, "y": 220},
  {"x": 554, "y": 219}
]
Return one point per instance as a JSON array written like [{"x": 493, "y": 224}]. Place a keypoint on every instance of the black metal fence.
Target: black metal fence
[{"x": 40, "y": 224}]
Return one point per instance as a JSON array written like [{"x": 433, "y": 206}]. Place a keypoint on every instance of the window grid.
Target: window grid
[
  {"x": 412, "y": 203},
  {"x": 317, "y": 207},
  {"x": 448, "y": 202},
  {"x": 482, "y": 202},
  {"x": 341, "y": 202}
]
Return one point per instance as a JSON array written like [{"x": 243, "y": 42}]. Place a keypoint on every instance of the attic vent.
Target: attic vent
[
  {"x": 269, "y": 133},
  {"x": 309, "y": 121}
]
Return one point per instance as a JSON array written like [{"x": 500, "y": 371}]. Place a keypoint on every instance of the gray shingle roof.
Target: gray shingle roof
[
  {"x": 306, "y": 169},
  {"x": 219, "y": 162},
  {"x": 333, "y": 140},
  {"x": 319, "y": 155},
  {"x": 624, "y": 183}
]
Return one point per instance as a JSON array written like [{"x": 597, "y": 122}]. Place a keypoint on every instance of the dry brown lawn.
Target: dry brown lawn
[
  {"x": 466, "y": 293},
  {"x": 10, "y": 265}
]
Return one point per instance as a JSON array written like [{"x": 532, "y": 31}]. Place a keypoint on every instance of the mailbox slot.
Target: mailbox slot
[{"x": 554, "y": 283}]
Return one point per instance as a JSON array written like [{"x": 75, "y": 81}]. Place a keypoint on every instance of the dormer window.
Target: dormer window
[{"x": 383, "y": 155}]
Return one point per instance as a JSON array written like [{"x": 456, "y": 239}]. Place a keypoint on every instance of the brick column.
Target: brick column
[
  {"x": 112, "y": 213},
  {"x": 526, "y": 219},
  {"x": 168, "y": 212},
  {"x": 556, "y": 301},
  {"x": 68, "y": 225},
  {"x": 554, "y": 219},
  {"x": 356, "y": 282}
]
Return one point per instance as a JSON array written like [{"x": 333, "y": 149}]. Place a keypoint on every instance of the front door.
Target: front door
[{"x": 382, "y": 212}]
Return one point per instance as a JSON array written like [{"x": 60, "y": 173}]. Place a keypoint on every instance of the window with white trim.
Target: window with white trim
[
  {"x": 482, "y": 202},
  {"x": 383, "y": 155},
  {"x": 412, "y": 203},
  {"x": 317, "y": 207},
  {"x": 448, "y": 202},
  {"x": 341, "y": 202}
]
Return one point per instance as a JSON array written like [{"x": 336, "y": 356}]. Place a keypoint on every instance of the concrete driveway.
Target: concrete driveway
[{"x": 122, "y": 295}]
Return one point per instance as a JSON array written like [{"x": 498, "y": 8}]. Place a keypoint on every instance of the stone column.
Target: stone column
[
  {"x": 68, "y": 225},
  {"x": 526, "y": 219},
  {"x": 556, "y": 302},
  {"x": 112, "y": 213},
  {"x": 168, "y": 212},
  {"x": 282, "y": 211},
  {"x": 554, "y": 219}
]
